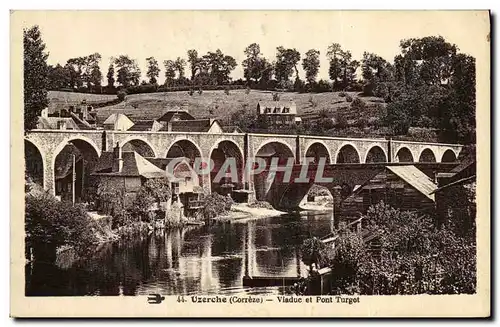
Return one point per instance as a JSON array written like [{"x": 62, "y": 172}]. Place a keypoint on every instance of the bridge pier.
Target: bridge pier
[{"x": 48, "y": 173}]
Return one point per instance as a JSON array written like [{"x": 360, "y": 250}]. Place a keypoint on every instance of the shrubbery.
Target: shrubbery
[
  {"x": 51, "y": 223},
  {"x": 358, "y": 104},
  {"x": 216, "y": 205},
  {"x": 348, "y": 98},
  {"x": 413, "y": 256},
  {"x": 121, "y": 95}
]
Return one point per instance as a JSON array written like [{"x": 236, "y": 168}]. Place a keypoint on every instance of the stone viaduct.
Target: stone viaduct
[{"x": 244, "y": 147}]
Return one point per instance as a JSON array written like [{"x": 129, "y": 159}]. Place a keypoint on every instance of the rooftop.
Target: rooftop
[{"x": 416, "y": 178}]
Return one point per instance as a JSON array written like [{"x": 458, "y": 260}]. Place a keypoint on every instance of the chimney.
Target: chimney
[
  {"x": 45, "y": 113},
  {"x": 169, "y": 126},
  {"x": 61, "y": 124},
  {"x": 118, "y": 158}
]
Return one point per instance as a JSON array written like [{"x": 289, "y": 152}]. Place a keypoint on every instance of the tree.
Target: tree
[
  {"x": 432, "y": 56},
  {"x": 128, "y": 71},
  {"x": 153, "y": 191},
  {"x": 180, "y": 65},
  {"x": 375, "y": 71},
  {"x": 169, "y": 72},
  {"x": 194, "y": 62},
  {"x": 35, "y": 76},
  {"x": 85, "y": 70},
  {"x": 286, "y": 64},
  {"x": 76, "y": 65},
  {"x": 58, "y": 77},
  {"x": 311, "y": 65},
  {"x": 255, "y": 66},
  {"x": 218, "y": 67},
  {"x": 93, "y": 75},
  {"x": 111, "y": 76},
  {"x": 313, "y": 253},
  {"x": 342, "y": 67},
  {"x": 153, "y": 70}
]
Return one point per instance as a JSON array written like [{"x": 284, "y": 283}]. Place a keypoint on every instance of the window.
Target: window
[
  {"x": 276, "y": 110},
  {"x": 268, "y": 110},
  {"x": 286, "y": 110}
]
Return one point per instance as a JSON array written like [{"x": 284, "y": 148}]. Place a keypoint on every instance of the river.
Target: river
[{"x": 194, "y": 260}]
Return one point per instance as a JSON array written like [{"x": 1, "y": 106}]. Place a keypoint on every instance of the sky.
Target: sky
[{"x": 169, "y": 34}]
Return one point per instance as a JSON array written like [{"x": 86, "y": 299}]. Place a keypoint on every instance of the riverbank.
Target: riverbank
[
  {"x": 245, "y": 211},
  {"x": 320, "y": 204}
]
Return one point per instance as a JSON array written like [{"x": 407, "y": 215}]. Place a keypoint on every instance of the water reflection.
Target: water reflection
[{"x": 202, "y": 260}]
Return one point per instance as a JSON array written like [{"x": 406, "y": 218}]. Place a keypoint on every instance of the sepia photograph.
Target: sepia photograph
[{"x": 264, "y": 158}]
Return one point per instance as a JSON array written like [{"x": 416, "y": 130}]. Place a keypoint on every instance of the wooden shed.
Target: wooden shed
[{"x": 402, "y": 187}]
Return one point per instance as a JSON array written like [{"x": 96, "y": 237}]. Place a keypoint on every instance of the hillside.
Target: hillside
[
  {"x": 72, "y": 98},
  {"x": 147, "y": 106},
  {"x": 152, "y": 105}
]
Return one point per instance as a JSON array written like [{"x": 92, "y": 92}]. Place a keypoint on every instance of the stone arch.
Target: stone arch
[
  {"x": 226, "y": 152},
  {"x": 375, "y": 154},
  {"x": 86, "y": 155},
  {"x": 317, "y": 150},
  {"x": 273, "y": 148},
  {"x": 139, "y": 145},
  {"x": 34, "y": 160},
  {"x": 268, "y": 151},
  {"x": 184, "y": 148},
  {"x": 347, "y": 153},
  {"x": 427, "y": 155},
  {"x": 404, "y": 155},
  {"x": 449, "y": 156}
]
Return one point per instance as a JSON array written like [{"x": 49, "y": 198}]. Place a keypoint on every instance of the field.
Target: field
[
  {"x": 217, "y": 104},
  {"x": 72, "y": 98}
]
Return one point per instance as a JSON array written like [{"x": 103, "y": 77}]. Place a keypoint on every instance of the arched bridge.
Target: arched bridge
[{"x": 48, "y": 144}]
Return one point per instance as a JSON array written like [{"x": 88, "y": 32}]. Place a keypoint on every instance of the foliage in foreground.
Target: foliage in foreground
[
  {"x": 414, "y": 257},
  {"x": 52, "y": 223}
]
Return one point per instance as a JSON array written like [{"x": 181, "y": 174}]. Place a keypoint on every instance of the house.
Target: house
[
  {"x": 83, "y": 115},
  {"x": 208, "y": 125},
  {"x": 456, "y": 195},
  {"x": 146, "y": 126},
  {"x": 277, "y": 113},
  {"x": 402, "y": 187},
  {"x": 123, "y": 173},
  {"x": 173, "y": 115},
  {"x": 60, "y": 123},
  {"x": 117, "y": 122},
  {"x": 189, "y": 190}
]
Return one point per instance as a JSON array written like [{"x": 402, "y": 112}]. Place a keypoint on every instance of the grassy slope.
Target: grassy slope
[
  {"x": 73, "y": 98},
  {"x": 153, "y": 105}
]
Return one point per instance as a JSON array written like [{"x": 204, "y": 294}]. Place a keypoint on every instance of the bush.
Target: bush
[
  {"x": 226, "y": 90},
  {"x": 121, "y": 95},
  {"x": 276, "y": 96},
  {"x": 51, "y": 223},
  {"x": 358, "y": 104},
  {"x": 200, "y": 91},
  {"x": 368, "y": 89},
  {"x": 348, "y": 98},
  {"x": 247, "y": 90},
  {"x": 153, "y": 191},
  {"x": 341, "y": 120},
  {"x": 191, "y": 92},
  {"x": 342, "y": 94},
  {"x": 216, "y": 205}
]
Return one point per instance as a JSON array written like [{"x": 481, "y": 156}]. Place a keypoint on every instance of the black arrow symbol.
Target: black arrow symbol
[{"x": 155, "y": 298}]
